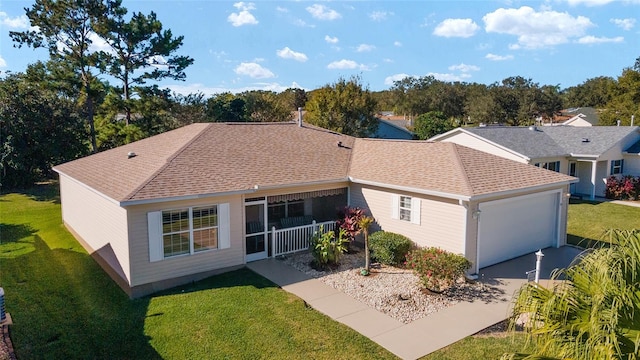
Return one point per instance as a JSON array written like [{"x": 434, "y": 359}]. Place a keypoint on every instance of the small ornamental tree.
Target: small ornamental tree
[
  {"x": 364, "y": 223},
  {"x": 437, "y": 269},
  {"x": 349, "y": 220},
  {"x": 624, "y": 188}
]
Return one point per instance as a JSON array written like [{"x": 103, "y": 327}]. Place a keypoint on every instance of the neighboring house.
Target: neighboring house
[
  {"x": 591, "y": 154},
  {"x": 207, "y": 198},
  {"x": 388, "y": 129},
  {"x": 586, "y": 116}
]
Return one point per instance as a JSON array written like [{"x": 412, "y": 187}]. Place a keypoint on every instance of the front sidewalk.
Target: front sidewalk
[{"x": 431, "y": 333}]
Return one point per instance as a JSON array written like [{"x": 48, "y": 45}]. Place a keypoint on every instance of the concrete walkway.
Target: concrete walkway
[{"x": 431, "y": 333}]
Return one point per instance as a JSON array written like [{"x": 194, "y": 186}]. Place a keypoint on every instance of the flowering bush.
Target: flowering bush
[
  {"x": 436, "y": 268},
  {"x": 326, "y": 249},
  {"x": 624, "y": 188}
]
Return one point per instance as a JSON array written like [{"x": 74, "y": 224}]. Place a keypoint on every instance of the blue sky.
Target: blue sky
[{"x": 274, "y": 45}]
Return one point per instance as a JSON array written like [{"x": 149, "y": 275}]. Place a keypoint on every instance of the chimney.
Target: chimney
[
  {"x": 632, "y": 118},
  {"x": 300, "y": 117}
]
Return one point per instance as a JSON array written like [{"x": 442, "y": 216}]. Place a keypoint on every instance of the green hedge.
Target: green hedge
[{"x": 389, "y": 248}]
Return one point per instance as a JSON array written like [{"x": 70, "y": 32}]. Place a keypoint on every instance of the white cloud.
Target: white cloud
[
  {"x": 345, "y": 64},
  {"x": 389, "y": 80},
  {"x": 589, "y": 2},
  {"x": 625, "y": 24},
  {"x": 244, "y": 17},
  {"x": 599, "y": 40},
  {"x": 322, "y": 12},
  {"x": 387, "y": 60},
  {"x": 494, "y": 57},
  {"x": 397, "y": 44},
  {"x": 456, "y": 28},
  {"x": 464, "y": 68},
  {"x": 253, "y": 70},
  {"x": 18, "y": 22},
  {"x": 536, "y": 29},
  {"x": 365, "y": 48},
  {"x": 331, "y": 40},
  {"x": 3, "y": 63},
  {"x": 449, "y": 77},
  {"x": 282, "y": 9},
  {"x": 302, "y": 23},
  {"x": 379, "y": 15},
  {"x": 287, "y": 53}
]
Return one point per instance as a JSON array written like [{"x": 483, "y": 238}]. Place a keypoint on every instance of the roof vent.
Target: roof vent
[
  {"x": 585, "y": 140},
  {"x": 339, "y": 144},
  {"x": 533, "y": 128},
  {"x": 131, "y": 154}
]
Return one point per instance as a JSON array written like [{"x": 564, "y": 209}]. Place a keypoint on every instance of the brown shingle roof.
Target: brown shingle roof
[
  {"x": 214, "y": 158},
  {"x": 228, "y": 157},
  {"x": 443, "y": 167}
]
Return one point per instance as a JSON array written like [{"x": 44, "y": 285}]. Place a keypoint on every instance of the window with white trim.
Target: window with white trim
[
  {"x": 617, "y": 166},
  {"x": 188, "y": 230},
  {"x": 405, "y": 208},
  {"x": 553, "y": 166}
]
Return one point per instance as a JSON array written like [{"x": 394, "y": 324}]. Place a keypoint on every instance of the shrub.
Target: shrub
[
  {"x": 326, "y": 249},
  {"x": 389, "y": 248},
  {"x": 348, "y": 219},
  {"x": 624, "y": 188},
  {"x": 436, "y": 268}
]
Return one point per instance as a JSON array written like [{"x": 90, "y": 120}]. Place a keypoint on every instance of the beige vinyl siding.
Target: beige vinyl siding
[
  {"x": 99, "y": 221},
  {"x": 442, "y": 221},
  {"x": 632, "y": 165},
  {"x": 482, "y": 145},
  {"x": 143, "y": 271}
]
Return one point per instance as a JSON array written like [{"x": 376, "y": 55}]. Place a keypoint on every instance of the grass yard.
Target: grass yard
[
  {"x": 588, "y": 220},
  {"x": 65, "y": 307},
  {"x": 479, "y": 347}
]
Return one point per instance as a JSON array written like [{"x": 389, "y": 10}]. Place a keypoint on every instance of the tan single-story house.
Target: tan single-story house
[
  {"x": 592, "y": 154},
  {"x": 207, "y": 198}
]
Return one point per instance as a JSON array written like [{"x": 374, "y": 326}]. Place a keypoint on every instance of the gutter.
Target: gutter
[
  {"x": 412, "y": 189},
  {"x": 515, "y": 191}
]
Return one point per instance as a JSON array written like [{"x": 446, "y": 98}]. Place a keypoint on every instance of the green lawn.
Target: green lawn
[
  {"x": 588, "y": 220},
  {"x": 65, "y": 307}
]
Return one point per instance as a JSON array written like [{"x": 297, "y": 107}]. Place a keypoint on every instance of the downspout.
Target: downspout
[{"x": 593, "y": 179}]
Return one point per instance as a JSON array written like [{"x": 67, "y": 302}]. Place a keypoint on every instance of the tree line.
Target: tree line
[{"x": 87, "y": 98}]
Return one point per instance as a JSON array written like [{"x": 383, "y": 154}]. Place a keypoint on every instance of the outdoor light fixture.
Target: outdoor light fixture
[{"x": 476, "y": 214}]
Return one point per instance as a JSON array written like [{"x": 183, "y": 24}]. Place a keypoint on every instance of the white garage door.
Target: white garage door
[{"x": 516, "y": 226}]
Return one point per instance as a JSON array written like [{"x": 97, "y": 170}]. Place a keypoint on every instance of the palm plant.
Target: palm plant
[
  {"x": 594, "y": 314},
  {"x": 364, "y": 223}
]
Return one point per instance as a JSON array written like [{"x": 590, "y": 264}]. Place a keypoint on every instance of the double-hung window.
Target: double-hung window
[
  {"x": 188, "y": 230},
  {"x": 405, "y": 208},
  {"x": 617, "y": 166}
]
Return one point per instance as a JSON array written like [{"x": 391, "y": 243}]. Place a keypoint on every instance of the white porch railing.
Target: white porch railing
[{"x": 294, "y": 239}]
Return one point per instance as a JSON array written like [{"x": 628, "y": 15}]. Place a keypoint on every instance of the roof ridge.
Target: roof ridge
[
  {"x": 456, "y": 152},
  {"x": 168, "y": 162}
]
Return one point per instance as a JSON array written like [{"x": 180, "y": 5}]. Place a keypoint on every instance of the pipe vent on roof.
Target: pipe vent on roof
[
  {"x": 533, "y": 128},
  {"x": 585, "y": 140},
  {"x": 131, "y": 154}
]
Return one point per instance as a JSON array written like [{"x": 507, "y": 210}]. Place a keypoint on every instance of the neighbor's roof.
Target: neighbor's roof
[
  {"x": 215, "y": 158},
  {"x": 634, "y": 149},
  {"x": 442, "y": 167},
  {"x": 553, "y": 141},
  {"x": 206, "y": 159}
]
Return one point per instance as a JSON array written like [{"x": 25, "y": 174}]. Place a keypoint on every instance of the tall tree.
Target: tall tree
[
  {"x": 140, "y": 50},
  {"x": 38, "y": 129},
  {"x": 345, "y": 106},
  {"x": 226, "y": 107},
  {"x": 431, "y": 124},
  {"x": 265, "y": 106},
  {"x": 64, "y": 28}
]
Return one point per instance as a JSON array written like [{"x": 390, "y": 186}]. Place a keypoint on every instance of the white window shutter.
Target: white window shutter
[
  {"x": 395, "y": 206},
  {"x": 154, "y": 223},
  {"x": 415, "y": 211},
  {"x": 224, "y": 226}
]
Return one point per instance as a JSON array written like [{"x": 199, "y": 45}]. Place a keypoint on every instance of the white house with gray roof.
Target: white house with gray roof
[
  {"x": 207, "y": 198},
  {"x": 591, "y": 154}
]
